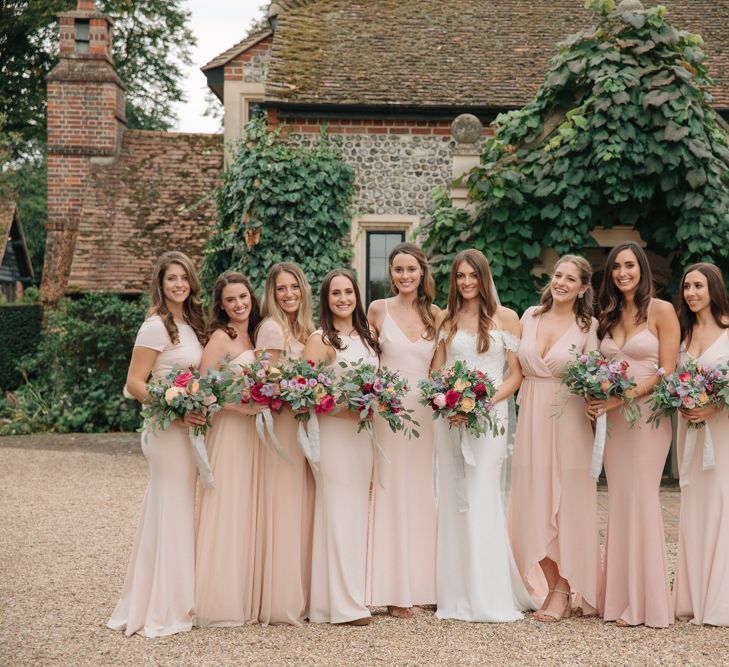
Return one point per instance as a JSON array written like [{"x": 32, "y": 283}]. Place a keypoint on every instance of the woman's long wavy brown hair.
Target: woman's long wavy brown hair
[
  {"x": 219, "y": 318},
  {"x": 611, "y": 298},
  {"x": 303, "y": 325},
  {"x": 583, "y": 305},
  {"x": 359, "y": 319},
  {"x": 717, "y": 294},
  {"x": 192, "y": 309},
  {"x": 487, "y": 299},
  {"x": 426, "y": 288}
]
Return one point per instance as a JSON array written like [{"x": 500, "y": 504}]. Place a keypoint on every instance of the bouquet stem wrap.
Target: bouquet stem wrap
[
  {"x": 598, "y": 446},
  {"x": 463, "y": 456},
  {"x": 308, "y": 437},
  {"x": 197, "y": 440},
  {"x": 707, "y": 459},
  {"x": 264, "y": 428}
]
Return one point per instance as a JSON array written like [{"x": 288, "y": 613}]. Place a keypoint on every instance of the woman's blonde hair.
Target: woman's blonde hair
[
  {"x": 583, "y": 305},
  {"x": 192, "y": 309},
  {"x": 303, "y": 324}
]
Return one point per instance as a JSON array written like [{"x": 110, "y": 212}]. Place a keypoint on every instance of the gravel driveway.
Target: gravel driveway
[{"x": 67, "y": 517}]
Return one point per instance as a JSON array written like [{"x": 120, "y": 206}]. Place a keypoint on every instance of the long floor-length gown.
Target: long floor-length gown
[
  {"x": 341, "y": 508},
  {"x": 285, "y": 510},
  {"x": 553, "y": 502},
  {"x": 226, "y": 521},
  {"x": 403, "y": 527},
  {"x": 158, "y": 595},
  {"x": 634, "y": 585},
  {"x": 701, "y": 587},
  {"x": 476, "y": 576}
]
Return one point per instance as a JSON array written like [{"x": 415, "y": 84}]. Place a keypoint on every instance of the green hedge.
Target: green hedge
[
  {"x": 20, "y": 327},
  {"x": 75, "y": 377}
]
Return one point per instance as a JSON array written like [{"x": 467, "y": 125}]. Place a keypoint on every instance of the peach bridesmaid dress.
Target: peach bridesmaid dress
[
  {"x": 634, "y": 585},
  {"x": 226, "y": 521},
  {"x": 285, "y": 510},
  {"x": 553, "y": 503},
  {"x": 403, "y": 528},
  {"x": 343, "y": 477},
  {"x": 701, "y": 588},
  {"x": 158, "y": 596}
]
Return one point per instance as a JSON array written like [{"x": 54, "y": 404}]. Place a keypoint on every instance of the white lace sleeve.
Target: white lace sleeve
[
  {"x": 511, "y": 342},
  {"x": 442, "y": 335}
]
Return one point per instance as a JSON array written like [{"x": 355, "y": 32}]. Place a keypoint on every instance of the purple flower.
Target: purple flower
[
  {"x": 378, "y": 385},
  {"x": 313, "y": 382},
  {"x": 582, "y": 358},
  {"x": 261, "y": 373},
  {"x": 268, "y": 389},
  {"x": 661, "y": 372}
]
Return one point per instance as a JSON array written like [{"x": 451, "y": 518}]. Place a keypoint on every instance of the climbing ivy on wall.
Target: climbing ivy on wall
[
  {"x": 621, "y": 132},
  {"x": 282, "y": 201}
]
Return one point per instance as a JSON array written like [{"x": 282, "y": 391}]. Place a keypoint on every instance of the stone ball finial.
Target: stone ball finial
[
  {"x": 274, "y": 10},
  {"x": 466, "y": 129},
  {"x": 630, "y": 6}
]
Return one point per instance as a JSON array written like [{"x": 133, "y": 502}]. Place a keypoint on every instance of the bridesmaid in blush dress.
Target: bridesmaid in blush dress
[
  {"x": 344, "y": 472},
  {"x": 226, "y": 514},
  {"x": 643, "y": 331},
  {"x": 402, "y": 533},
  {"x": 701, "y": 587},
  {"x": 157, "y": 598},
  {"x": 553, "y": 503},
  {"x": 286, "y": 490}
]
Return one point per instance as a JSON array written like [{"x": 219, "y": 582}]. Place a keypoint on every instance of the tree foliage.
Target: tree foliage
[
  {"x": 620, "y": 132},
  {"x": 152, "y": 44},
  {"x": 280, "y": 201}
]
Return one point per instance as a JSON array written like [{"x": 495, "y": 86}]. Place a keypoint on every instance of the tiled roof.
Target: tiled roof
[
  {"x": 157, "y": 196},
  {"x": 446, "y": 53},
  {"x": 237, "y": 49},
  {"x": 16, "y": 237},
  {"x": 7, "y": 213}
]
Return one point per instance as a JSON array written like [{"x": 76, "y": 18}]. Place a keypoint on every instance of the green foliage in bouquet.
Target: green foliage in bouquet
[
  {"x": 280, "y": 201},
  {"x": 75, "y": 379},
  {"x": 621, "y": 132}
]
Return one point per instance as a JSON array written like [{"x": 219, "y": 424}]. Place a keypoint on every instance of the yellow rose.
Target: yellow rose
[
  {"x": 460, "y": 385},
  {"x": 467, "y": 404},
  {"x": 703, "y": 398},
  {"x": 274, "y": 370},
  {"x": 320, "y": 391},
  {"x": 193, "y": 387}
]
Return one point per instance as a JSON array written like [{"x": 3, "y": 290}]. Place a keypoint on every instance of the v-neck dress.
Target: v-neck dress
[
  {"x": 634, "y": 585},
  {"x": 285, "y": 509},
  {"x": 403, "y": 525},
  {"x": 553, "y": 503},
  {"x": 701, "y": 587}
]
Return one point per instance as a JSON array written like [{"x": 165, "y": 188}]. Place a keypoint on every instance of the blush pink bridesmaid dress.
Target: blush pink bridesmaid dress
[
  {"x": 701, "y": 587},
  {"x": 158, "y": 594},
  {"x": 341, "y": 508},
  {"x": 226, "y": 521},
  {"x": 285, "y": 510},
  {"x": 404, "y": 517},
  {"x": 634, "y": 584},
  {"x": 553, "y": 502}
]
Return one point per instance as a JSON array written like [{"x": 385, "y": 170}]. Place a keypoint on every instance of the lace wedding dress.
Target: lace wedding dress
[{"x": 476, "y": 577}]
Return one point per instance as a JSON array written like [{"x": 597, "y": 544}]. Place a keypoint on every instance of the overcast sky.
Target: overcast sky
[{"x": 217, "y": 24}]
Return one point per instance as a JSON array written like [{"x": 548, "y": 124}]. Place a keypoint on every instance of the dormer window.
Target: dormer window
[{"x": 82, "y": 36}]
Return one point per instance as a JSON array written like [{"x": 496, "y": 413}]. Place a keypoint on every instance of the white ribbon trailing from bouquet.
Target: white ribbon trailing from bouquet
[
  {"x": 463, "y": 456},
  {"x": 308, "y": 437},
  {"x": 598, "y": 446},
  {"x": 264, "y": 428},
  {"x": 707, "y": 456},
  {"x": 197, "y": 440},
  {"x": 379, "y": 454}
]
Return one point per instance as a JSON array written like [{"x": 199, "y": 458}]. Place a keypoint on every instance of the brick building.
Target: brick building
[
  {"x": 387, "y": 76},
  {"x": 16, "y": 269}
]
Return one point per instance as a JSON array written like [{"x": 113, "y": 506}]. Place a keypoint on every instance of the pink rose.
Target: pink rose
[
  {"x": 439, "y": 400},
  {"x": 326, "y": 405},
  {"x": 276, "y": 404},
  {"x": 183, "y": 379}
]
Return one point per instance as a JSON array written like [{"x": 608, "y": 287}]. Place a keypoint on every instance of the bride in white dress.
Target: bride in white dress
[{"x": 476, "y": 577}]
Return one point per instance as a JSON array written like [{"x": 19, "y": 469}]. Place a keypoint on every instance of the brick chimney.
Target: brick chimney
[{"x": 86, "y": 124}]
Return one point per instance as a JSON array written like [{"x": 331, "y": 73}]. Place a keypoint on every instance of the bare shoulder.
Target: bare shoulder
[
  {"x": 376, "y": 313},
  {"x": 663, "y": 311},
  {"x": 218, "y": 340},
  {"x": 440, "y": 316},
  {"x": 507, "y": 319}
]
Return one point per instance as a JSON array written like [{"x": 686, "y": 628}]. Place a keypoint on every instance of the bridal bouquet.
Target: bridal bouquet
[
  {"x": 308, "y": 388},
  {"x": 183, "y": 392},
  {"x": 691, "y": 386},
  {"x": 260, "y": 382},
  {"x": 591, "y": 375},
  {"x": 367, "y": 391},
  {"x": 459, "y": 390}
]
